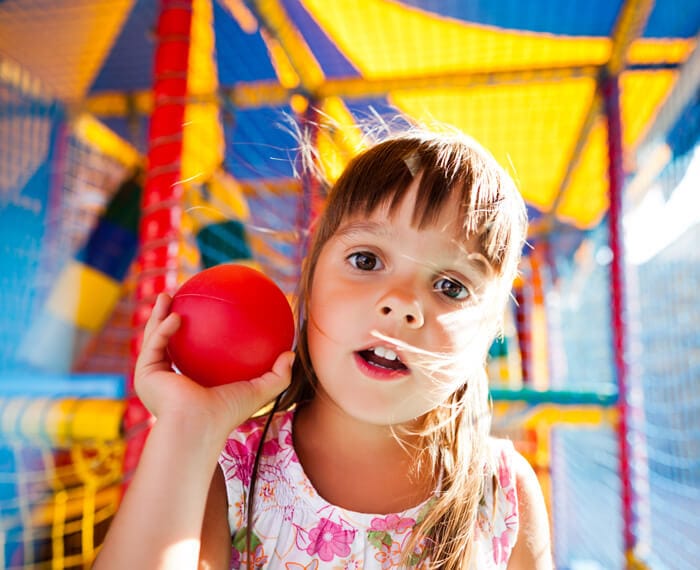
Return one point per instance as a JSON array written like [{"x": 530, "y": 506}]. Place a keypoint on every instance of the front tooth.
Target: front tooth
[
  {"x": 389, "y": 354},
  {"x": 380, "y": 351}
]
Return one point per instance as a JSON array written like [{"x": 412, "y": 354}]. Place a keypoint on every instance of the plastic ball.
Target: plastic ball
[{"x": 235, "y": 322}]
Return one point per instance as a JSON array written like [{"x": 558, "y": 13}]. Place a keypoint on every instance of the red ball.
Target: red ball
[{"x": 235, "y": 323}]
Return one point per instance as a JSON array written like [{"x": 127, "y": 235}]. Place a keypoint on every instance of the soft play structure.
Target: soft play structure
[{"x": 144, "y": 140}]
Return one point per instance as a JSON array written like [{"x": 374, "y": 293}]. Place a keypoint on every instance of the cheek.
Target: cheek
[
  {"x": 466, "y": 336},
  {"x": 467, "y": 331},
  {"x": 336, "y": 304},
  {"x": 312, "y": 341},
  {"x": 323, "y": 319},
  {"x": 327, "y": 327}
]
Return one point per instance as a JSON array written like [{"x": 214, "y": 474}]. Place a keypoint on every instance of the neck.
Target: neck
[
  {"x": 325, "y": 424},
  {"x": 334, "y": 449}
]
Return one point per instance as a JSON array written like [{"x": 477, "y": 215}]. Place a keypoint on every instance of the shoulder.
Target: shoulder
[
  {"x": 532, "y": 548},
  {"x": 512, "y": 470},
  {"x": 528, "y": 489}
]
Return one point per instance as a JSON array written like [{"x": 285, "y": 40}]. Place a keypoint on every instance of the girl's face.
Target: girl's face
[{"x": 397, "y": 314}]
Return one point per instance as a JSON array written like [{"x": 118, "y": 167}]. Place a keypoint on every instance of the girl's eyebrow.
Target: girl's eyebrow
[
  {"x": 473, "y": 264},
  {"x": 364, "y": 227},
  {"x": 480, "y": 264}
]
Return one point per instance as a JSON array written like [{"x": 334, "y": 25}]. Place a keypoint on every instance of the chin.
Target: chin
[{"x": 385, "y": 416}]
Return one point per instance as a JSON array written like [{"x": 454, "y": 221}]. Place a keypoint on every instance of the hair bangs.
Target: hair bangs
[
  {"x": 489, "y": 204},
  {"x": 381, "y": 177}
]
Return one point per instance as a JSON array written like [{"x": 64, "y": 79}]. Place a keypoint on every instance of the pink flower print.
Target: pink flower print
[
  {"x": 501, "y": 548},
  {"x": 389, "y": 556},
  {"x": 271, "y": 447},
  {"x": 288, "y": 440},
  {"x": 235, "y": 559},
  {"x": 392, "y": 522},
  {"x": 243, "y": 455},
  {"x": 504, "y": 475},
  {"x": 512, "y": 515},
  {"x": 329, "y": 539}
]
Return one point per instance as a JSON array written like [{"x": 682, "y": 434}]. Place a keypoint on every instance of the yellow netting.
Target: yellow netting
[{"x": 60, "y": 479}]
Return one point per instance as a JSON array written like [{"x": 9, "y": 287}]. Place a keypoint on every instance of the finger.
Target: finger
[
  {"x": 160, "y": 310},
  {"x": 248, "y": 397},
  {"x": 270, "y": 384},
  {"x": 153, "y": 352},
  {"x": 283, "y": 364}
]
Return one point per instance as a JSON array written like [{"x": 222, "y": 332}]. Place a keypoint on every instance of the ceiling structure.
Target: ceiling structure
[{"x": 523, "y": 78}]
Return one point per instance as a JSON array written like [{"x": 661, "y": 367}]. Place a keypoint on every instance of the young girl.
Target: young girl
[{"x": 377, "y": 452}]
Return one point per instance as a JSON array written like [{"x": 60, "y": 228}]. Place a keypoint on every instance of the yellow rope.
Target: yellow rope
[{"x": 58, "y": 529}]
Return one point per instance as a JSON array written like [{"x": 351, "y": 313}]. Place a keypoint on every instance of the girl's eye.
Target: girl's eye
[
  {"x": 452, "y": 289},
  {"x": 365, "y": 261}
]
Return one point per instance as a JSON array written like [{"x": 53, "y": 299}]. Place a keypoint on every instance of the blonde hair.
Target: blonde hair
[{"x": 452, "y": 438}]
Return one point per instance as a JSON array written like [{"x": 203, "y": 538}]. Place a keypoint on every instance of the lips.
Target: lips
[
  {"x": 382, "y": 357},
  {"x": 380, "y": 363}
]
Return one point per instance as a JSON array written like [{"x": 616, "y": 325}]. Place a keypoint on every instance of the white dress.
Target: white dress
[{"x": 295, "y": 528}]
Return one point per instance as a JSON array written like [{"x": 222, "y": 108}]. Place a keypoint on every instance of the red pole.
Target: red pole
[
  {"x": 159, "y": 231},
  {"x": 522, "y": 294},
  {"x": 611, "y": 96}
]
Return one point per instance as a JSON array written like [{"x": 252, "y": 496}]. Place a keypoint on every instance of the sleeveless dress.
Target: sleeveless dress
[{"x": 295, "y": 528}]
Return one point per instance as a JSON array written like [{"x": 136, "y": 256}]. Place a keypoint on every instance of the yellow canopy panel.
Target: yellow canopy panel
[{"x": 526, "y": 127}]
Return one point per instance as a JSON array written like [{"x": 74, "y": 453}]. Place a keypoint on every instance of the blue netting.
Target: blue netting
[{"x": 669, "y": 369}]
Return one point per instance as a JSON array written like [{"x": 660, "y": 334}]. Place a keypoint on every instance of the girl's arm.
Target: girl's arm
[
  {"x": 159, "y": 523},
  {"x": 532, "y": 550},
  {"x": 215, "y": 553}
]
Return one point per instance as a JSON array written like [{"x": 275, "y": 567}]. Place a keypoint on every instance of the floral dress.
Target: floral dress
[{"x": 295, "y": 528}]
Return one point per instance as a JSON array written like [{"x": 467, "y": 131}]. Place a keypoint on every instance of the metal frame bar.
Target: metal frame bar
[{"x": 270, "y": 93}]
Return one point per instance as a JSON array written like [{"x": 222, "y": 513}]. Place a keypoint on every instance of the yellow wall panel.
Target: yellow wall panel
[
  {"x": 641, "y": 95},
  {"x": 339, "y": 138},
  {"x": 586, "y": 198},
  {"x": 84, "y": 296},
  {"x": 531, "y": 129},
  {"x": 381, "y": 40}
]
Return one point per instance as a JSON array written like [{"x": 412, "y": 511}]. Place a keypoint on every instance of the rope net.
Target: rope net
[{"x": 61, "y": 443}]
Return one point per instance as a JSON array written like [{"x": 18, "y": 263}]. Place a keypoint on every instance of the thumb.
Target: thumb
[
  {"x": 247, "y": 397},
  {"x": 271, "y": 384}
]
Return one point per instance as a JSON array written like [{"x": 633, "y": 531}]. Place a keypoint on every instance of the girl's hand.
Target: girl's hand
[{"x": 168, "y": 394}]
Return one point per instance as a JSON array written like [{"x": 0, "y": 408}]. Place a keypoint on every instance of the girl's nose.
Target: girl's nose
[{"x": 403, "y": 308}]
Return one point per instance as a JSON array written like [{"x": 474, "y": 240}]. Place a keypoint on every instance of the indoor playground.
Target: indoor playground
[{"x": 142, "y": 141}]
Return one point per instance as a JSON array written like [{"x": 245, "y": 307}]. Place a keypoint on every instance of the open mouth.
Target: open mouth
[{"x": 382, "y": 357}]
